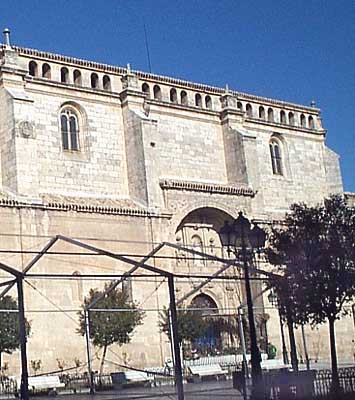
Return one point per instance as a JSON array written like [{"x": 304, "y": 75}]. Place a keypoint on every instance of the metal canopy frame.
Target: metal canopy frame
[{"x": 19, "y": 276}]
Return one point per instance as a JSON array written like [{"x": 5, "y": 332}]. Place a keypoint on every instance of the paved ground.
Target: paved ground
[{"x": 196, "y": 391}]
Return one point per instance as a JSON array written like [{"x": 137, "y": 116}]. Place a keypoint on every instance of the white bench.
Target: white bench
[
  {"x": 45, "y": 383},
  {"x": 274, "y": 364},
  {"x": 136, "y": 377},
  {"x": 199, "y": 372}
]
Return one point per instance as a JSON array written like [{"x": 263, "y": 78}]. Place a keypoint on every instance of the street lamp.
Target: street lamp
[
  {"x": 274, "y": 300},
  {"x": 241, "y": 240}
]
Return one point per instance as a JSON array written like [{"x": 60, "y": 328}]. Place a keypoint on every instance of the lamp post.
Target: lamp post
[
  {"x": 274, "y": 300},
  {"x": 241, "y": 240}
]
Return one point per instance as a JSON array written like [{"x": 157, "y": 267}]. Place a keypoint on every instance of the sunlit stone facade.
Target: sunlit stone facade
[{"x": 124, "y": 160}]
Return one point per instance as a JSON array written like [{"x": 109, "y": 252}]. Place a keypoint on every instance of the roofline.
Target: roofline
[{"x": 149, "y": 76}]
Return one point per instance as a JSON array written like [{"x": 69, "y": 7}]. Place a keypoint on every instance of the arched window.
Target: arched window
[
  {"x": 198, "y": 100},
  {"x": 208, "y": 102},
  {"x": 33, "y": 68},
  {"x": 249, "y": 110},
  {"x": 77, "y": 288},
  {"x": 197, "y": 245},
  {"x": 270, "y": 115},
  {"x": 69, "y": 125},
  {"x": 64, "y": 75},
  {"x": 94, "y": 81},
  {"x": 77, "y": 77},
  {"x": 183, "y": 98},
  {"x": 146, "y": 89},
  {"x": 106, "y": 83},
  {"x": 310, "y": 122},
  {"x": 283, "y": 117},
  {"x": 291, "y": 118},
  {"x": 261, "y": 112},
  {"x": 276, "y": 157},
  {"x": 157, "y": 92},
  {"x": 240, "y": 105},
  {"x": 173, "y": 95},
  {"x": 46, "y": 71},
  {"x": 302, "y": 120}
]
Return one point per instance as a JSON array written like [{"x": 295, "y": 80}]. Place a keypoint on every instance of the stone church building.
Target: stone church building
[{"x": 124, "y": 160}]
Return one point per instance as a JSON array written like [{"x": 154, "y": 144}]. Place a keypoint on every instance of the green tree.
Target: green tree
[
  {"x": 9, "y": 326},
  {"x": 191, "y": 325},
  {"x": 107, "y": 328},
  {"x": 316, "y": 253}
]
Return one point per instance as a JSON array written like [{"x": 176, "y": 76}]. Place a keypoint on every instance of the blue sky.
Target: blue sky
[{"x": 295, "y": 50}]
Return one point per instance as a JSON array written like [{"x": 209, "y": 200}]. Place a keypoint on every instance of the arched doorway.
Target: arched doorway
[{"x": 210, "y": 342}]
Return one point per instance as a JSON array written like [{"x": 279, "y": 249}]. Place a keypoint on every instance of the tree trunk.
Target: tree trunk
[
  {"x": 333, "y": 353},
  {"x": 103, "y": 360},
  {"x": 291, "y": 334}
]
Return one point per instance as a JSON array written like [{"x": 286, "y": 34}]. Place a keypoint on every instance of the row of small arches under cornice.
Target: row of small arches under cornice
[
  {"x": 177, "y": 96},
  {"x": 69, "y": 76},
  {"x": 272, "y": 115},
  {"x": 173, "y": 95}
]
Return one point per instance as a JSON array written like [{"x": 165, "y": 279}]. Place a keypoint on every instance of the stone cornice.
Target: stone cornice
[
  {"x": 212, "y": 188},
  {"x": 83, "y": 208},
  {"x": 153, "y": 77}
]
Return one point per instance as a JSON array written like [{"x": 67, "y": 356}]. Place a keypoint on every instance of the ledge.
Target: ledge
[
  {"x": 83, "y": 208},
  {"x": 212, "y": 188}
]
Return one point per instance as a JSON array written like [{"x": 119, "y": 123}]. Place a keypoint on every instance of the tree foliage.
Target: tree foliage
[
  {"x": 315, "y": 253},
  {"x": 9, "y": 326},
  {"x": 191, "y": 324},
  {"x": 107, "y": 328}
]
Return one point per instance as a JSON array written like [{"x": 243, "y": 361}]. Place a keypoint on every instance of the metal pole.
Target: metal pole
[
  {"x": 23, "y": 339},
  {"x": 175, "y": 339},
  {"x": 256, "y": 372},
  {"x": 284, "y": 349},
  {"x": 88, "y": 350},
  {"x": 305, "y": 348},
  {"x": 242, "y": 341}
]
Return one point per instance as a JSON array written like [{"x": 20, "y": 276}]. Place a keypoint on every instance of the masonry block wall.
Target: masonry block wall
[{"x": 138, "y": 160}]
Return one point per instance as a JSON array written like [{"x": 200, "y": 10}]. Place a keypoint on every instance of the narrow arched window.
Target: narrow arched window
[
  {"x": 240, "y": 105},
  {"x": 77, "y": 77},
  {"x": 197, "y": 245},
  {"x": 94, "y": 81},
  {"x": 64, "y": 75},
  {"x": 33, "y": 68},
  {"x": 310, "y": 122},
  {"x": 77, "y": 287},
  {"x": 46, "y": 71},
  {"x": 157, "y": 92},
  {"x": 270, "y": 115},
  {"x": 249, "y": 110},
  {"x": 173, "y": 96},
  {"x": 198, "y": 100},
  {"x": 208, "y": 102},
  {"x": 70, "y": 129},
  {"x": 291, "y": 118},
  {"x": 261, "y": 112},
  {"x": 276, "y": 157},
  {"x": 183, "y": 98},
  {"x": 106, "y": 83},
  {"x": 302, "y": 120},
  {"x": 146, "y": 89},
  {"x": 283, "y": 117}
]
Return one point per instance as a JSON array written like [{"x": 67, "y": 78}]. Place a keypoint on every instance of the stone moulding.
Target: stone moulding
[
  {"x": 212, "y": 188},
  {"x": 83, "y": 208}
]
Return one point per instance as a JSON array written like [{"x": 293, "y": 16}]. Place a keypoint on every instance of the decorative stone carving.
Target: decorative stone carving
[{"x": 25, "y": 129}]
